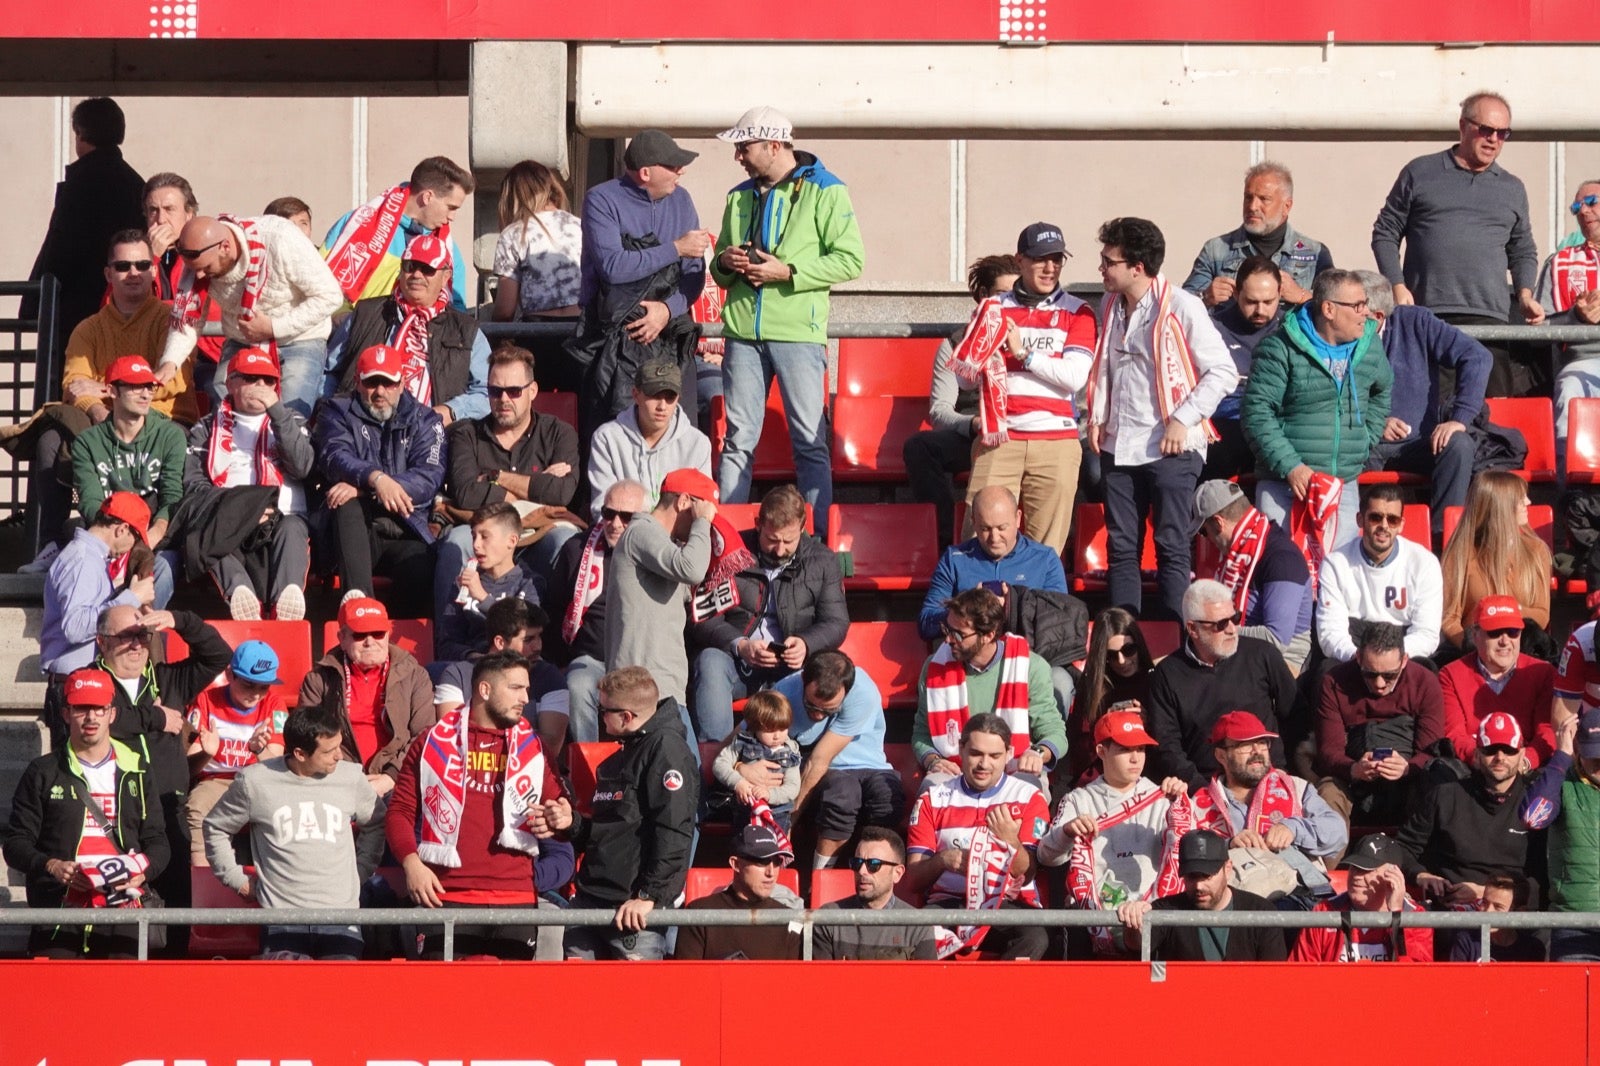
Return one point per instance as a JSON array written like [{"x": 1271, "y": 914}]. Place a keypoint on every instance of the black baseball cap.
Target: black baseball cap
[
  {"x": 1041, "y": 239},
  {"x": 1201, "y": 853},
  {"x": 1373, "y": 851},
  {"x": 759, "y": 842},
  {"x": 653, "y": 148}
]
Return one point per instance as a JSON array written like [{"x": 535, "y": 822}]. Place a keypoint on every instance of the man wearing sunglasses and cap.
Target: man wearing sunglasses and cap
[
  {"x": 878, "y": 864},
  {"x": 1497, "y": 677},
  {"x": 446, "y": 354},
  {"x": 1569, "y": 292},
  {"x": 759, "y": 854}
]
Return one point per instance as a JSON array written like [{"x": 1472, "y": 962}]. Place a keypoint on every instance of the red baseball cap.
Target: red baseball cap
[
  {"x": 130, "y": 508},
  {"x": 430, "y": 250},
  {"x": 89, "y": 687},
  {"x": 1125, "y": 728},
  {"x": 690, "y": 482},
  {"x": 364, "y": 615},
  {"x": 1499, "y": 612},
  {"x": 380, "y": 361},
  {"x": 1238, "y": 726},
  {"x": 1500, "y": 730},
  {"x": 254, "y": 362},
  {"x": 130, "y": 370}
]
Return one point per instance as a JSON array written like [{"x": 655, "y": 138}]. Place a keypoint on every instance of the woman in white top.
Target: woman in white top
[{"x": 540, "y": 247}]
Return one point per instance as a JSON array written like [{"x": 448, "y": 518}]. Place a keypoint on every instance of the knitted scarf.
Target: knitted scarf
[
  {"x": 442, "y": 783},
  {"x": 988, "y": 879},
  {"x": 947, "y": 696},
  {"x": 364, "y": 241},
  {"x": 220, "y": 446},
  {"x": 1175, "y": 371},
  {"x": 716, "y": 594},
  {"x": 1082, "y": 876},
  {"x": 1238, "y": 563},
  {"x": 1273, "y": 799},
  {"x": 978, "y": 360},
  {"x": 411, "y": 337},
  {"x": 1314, "y": 521},
  {"x": 190, "y": 299},
  {"x": 761, "y": 814},
  {"x": 1573, "y": 272},
  {"x": 590, "y": 584},
  {"x": 106, "y": 874}
]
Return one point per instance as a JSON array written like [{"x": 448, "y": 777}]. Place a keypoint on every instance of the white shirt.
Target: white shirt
[
  {"x": 1406, "y": 589},
  {"x": 242, "y": 464},
  {"x": 1133, "y": 428}
]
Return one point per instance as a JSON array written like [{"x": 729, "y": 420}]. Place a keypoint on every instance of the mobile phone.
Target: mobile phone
[
  {"x": 755, "y": 255},
  {"x": 1380, "y": 754},
  {"x": 776, "y": 648},
  {"x": 996, "y": 587}
]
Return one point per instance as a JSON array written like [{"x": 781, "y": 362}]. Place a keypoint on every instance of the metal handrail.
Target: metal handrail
[{"x": 1483, "y": 921}]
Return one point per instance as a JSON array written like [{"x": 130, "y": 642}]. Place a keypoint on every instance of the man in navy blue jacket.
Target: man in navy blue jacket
[
  {"x": 997, "y": 552},
  {"x": 1417, "y": 439},
  {"x": 383, "y": 456}
]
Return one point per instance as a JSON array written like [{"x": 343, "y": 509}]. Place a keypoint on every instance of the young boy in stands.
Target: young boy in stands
[
  {"x": 235, "y": 725},
  {"x": 763, "y": 736},
  {"x": 490, "y": 576}
]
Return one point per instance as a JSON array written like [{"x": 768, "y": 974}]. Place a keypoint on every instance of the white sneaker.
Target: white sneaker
[
  {"x": 244, "y": 605},
  {"x": 41, "y": 563},
  {"x": 353, "y": 594},
  {"x": 291, "y": 605}
]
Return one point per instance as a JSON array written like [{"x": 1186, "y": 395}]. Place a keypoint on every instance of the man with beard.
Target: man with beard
[
  {"x": 790, "y": 605},
  {"x": 382, "y": 454},
  {"x": 1382, "y": 577},
  {"x": 1253, "y": 311},
  {"x": 1463, "y": 833},
  {"x": 879, "y": 863},
  {"x": 1215, "y": 671},
  {"x": 470, "y": 783},
  {"x": 1204, "y": 866},
  {"x": 1265, "y": 232},
  {"x": 1376, "y": 884}
]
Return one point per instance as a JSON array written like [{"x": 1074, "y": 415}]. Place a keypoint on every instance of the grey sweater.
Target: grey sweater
[
  {"x": 1463, "y": 231},
  {"x": 645, "y": 615},
  {"x": 299, "y": 834}
]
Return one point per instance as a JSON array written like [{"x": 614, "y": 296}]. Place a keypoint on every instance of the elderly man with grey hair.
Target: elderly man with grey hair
[
  {"x": 1265, "y": 231},
  {"x": 1426, "y": 432},
  {"x": 1216, "y": 671}
]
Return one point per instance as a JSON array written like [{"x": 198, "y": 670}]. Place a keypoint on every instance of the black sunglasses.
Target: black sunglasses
[
  {"x": 122, "y": 266},
  {"x": 511, "y": 391},
  {"x": 1496, "y": 634},
  {"x": 1393, "y": 521},
  {"x": 189, "y": 255},
  {"x": 1220, "y": 624},
  {"x": 1129, "y": 650},
  {"x": 1385, "y": 675},
  {"x": 413, "y": 266},
  {"x": 255, "y": 379},
  {"x": 1491, "y": 133},
  {"x": 1500, "y": 749},
  {"x": 872, "y": 865},
  {"x": 611, "y": 514}
]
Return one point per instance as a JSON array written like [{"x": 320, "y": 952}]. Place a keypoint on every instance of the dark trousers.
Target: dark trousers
[
  {"x": 80, "y": 942},
  {"x": 1450, "y": 472},
  {"x": 1229, "y": 456},
  {"x": 933, "y": 458},
  {"x": 1164, "y": 490},
  {"x": 850, "y": 799},
  {"x": 371, "y": 541},
  {"x": 283, "y": 559},
  {"x": 1015, "y": 941},
  {"x": 513, "y": 942},
  {"x": 52, "y": 497}
]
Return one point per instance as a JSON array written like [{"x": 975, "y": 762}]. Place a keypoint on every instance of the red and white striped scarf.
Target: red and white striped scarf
[
  {"x": 590, "y": 584},
  {"x": 1238, "y": 564},
  {"x": 411, "y": 337},
  {"x": 716, "y": 594},
  {"x": 947, "y": 696},
  {"x": 220, "y": 446},
  {"x": 365, "y": 239},
  {"x": 1273, "y": 799},
  {"x": 1573, "y": 272},
  {"x": 978, "y": 360},
  {"x": 190, "y": 299},
  {"x": 442, "y": 785},
  {"x": 1082, "y": 876},
  {"x": 1314, "y": 521},
  {"x": 105, "y": 873},
  {"x": 988, "y": 880},
  {"x": 1175, "y": 371},
  {"x": 761, "y": 814}
]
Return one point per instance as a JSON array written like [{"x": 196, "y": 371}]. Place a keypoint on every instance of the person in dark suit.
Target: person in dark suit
[{"x": 1203, "y": 862}]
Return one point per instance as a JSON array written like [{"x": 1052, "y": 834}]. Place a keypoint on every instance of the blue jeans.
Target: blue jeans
[
  {"x": 801, "y": 368},
  {"x": 583, "y": 698},
  {"x": 317, "y": 941},
  {"x": 301, "y": 366},
  {"x": 168, "y": 563},
  {"x": 1574, "y": 945},
  {"x": 1274, "y": 498},
  {"x": 718, "y": 681}
]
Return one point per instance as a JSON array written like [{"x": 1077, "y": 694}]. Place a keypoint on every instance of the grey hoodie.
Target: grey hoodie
[{"x": 618, "y": 452}]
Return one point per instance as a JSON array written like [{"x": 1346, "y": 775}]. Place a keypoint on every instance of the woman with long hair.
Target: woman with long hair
[
  {"x": 537, "y": 260},
  {"x": 1116, "y": 675},
  {"x": 1495, "y": 552}
]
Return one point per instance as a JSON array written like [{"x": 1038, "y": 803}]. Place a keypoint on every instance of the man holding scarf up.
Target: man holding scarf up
[
  {"x": 1316, "y": 402},
  {"x": 275, "y": 292},
  {"x": 471, "y": 782},
  {"x": 1268, "y": 576},
  {"x": 244, "y": 510},
  {"x": 1028, "y": 351},
  {"x": 446, "y": 354},
  {"x": 365, "y": 246},
  {"x": 1160, "y": 371}
]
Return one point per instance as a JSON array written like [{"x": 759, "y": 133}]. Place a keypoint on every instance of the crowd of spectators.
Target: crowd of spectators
[{"x": 1348, "y": 720}]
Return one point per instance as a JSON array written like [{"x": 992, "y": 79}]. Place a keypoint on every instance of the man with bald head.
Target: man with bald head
[
  {"x": 998, "y": 553},
  {"x": 578, "y": 613},
  {"x": 274, "y": 290}
]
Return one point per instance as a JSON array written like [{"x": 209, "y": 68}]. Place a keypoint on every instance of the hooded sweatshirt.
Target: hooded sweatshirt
[{"x": 619, "y": 452}]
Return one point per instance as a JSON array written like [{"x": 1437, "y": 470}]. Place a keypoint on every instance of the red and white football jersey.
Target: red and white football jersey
[{"x": 947, "y": 815}]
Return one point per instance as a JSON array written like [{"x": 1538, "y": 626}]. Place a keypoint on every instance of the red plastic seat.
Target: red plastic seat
[
  {"x": 291, "y": 640},
  {"x": 415, "y": 635},
  {"x": 743, "y": 516},
  {"x": 1419, "y": 525},
  {"x": 869, "y": 436},
  {"x": 832, "y": 885},
  {"x": 583, "y": 760},
  {"x": 563, "y": 405},
  {"x": 1090, "y": 557},
  {"x": 1535, "y": 418},
  {"x": 895, "y": 546},
  {"x": 887, "y": 366},
  {"x": 1161, "y": 637},
  {"x": 1583, "y": 440},
  {"x": 220, "y": 941},
  {"x": 892, "y": 654},
  {"x": 704, "y": 880}
]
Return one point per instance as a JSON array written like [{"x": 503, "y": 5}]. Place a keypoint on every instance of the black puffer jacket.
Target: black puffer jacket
[{"x": 1055, "y": 624}]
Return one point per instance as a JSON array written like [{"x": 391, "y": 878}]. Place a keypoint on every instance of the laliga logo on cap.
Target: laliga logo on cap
[
  {"x": 79, "y": 683},
  {"x": 362, "y": 612},
  {"x": 1127, "y": 727},
  {"x": 1494, "y": 609}
]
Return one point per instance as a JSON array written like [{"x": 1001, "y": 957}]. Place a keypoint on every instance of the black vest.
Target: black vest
[{"x": 450, "y": 338}]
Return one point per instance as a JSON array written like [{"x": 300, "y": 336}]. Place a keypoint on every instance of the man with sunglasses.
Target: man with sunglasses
[
  {"x": 1382, "y": 577},
  {"x": 447, "y": 355},
  {"x": 1569, "y": 291},
  {"x": 1497, "y": 678},
  {"x": 1462, "y": 833},
  {"x": 649, "y": 438},
  {"x": 1378, "y": 719},
  {"x": 879, "y": 863},
  {"x": 1465, "y": 223}
]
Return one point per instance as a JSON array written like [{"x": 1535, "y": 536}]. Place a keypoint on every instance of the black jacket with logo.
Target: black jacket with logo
[
  {"x": 637, "y": 843},
  {"x": 1463, "y": 832}
]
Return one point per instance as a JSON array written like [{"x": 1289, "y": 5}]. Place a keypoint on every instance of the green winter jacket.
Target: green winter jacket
[
  {"x": 807, "y": 222},
  {"x": 151, "y": 467},
  {"x": 1574, "y": 848},
  {"x": 1293, "y": 413}
]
